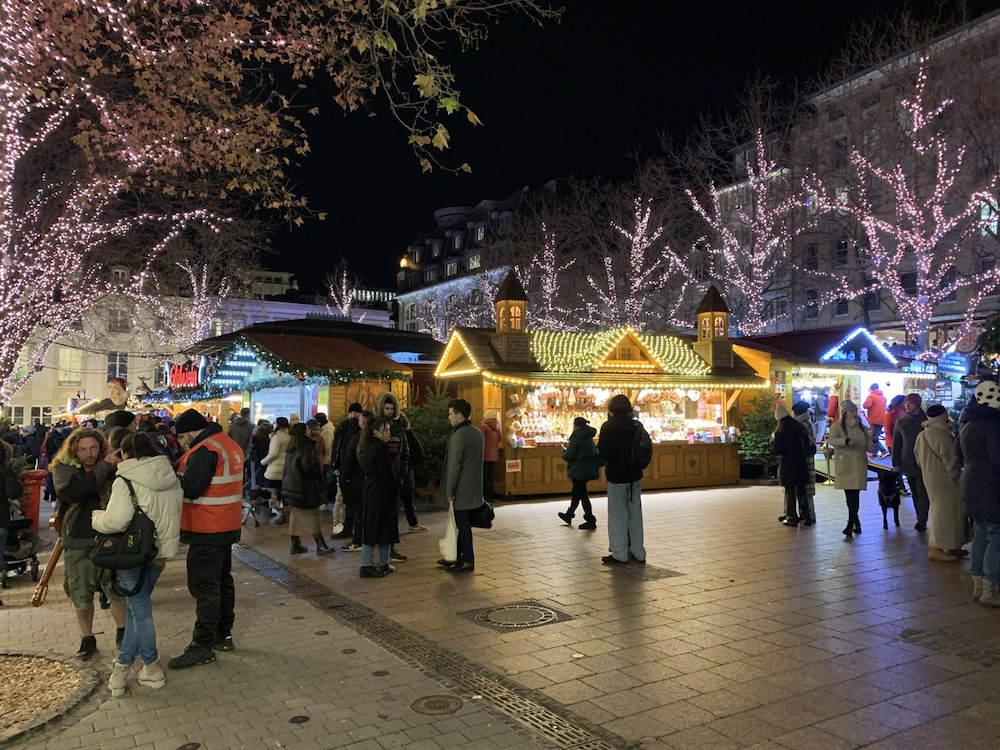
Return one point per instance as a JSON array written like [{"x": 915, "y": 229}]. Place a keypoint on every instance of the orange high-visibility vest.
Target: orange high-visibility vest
[{"x": 220, "y": 508}]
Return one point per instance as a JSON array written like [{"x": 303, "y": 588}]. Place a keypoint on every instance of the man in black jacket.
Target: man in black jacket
[
  {"x": 82, "y": 473},
  {"x": 341, "y": 441},
  {"x": 211, "y": 474},
  {"x": 624, "y": 492}
]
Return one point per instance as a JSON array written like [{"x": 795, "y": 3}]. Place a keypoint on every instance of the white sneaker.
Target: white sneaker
[
  {"x": 977, "y": 588},
  {"x": 152, "y": 676},
  {"x": 119, "y": 675},
  {"x": 991, "y": 594}
]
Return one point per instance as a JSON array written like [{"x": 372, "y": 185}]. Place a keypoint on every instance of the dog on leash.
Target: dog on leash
[{"x": 888, "y": 496}]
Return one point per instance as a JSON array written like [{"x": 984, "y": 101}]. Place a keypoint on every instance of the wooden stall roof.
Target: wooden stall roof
[
  {"x": 324, "y": 352},
  {"x": 560, "y": 356}
]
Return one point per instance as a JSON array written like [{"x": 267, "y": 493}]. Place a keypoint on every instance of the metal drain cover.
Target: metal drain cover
[
  {"x": 435, "y": 705},
  {"x": 507, "y": 618},
  {"x": 516, "y": 616}
]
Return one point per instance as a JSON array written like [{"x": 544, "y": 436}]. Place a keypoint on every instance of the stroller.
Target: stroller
[{"x": 23, "y": 546}]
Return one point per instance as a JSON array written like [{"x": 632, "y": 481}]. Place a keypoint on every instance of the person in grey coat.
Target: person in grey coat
[
  {"x": 462, "y": 480},
  {"x": 904, "y": 439}
]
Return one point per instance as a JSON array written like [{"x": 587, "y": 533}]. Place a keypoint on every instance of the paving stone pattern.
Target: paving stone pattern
[
  {"x": 767, "y": 637},
  {"x": 291, "y": 661}
]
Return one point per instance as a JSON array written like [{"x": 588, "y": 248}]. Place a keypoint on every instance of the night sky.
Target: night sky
[{"x": 571, "y": 99}]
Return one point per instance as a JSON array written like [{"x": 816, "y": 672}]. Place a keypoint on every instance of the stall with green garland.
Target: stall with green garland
[{"x": 276, "y": 374}]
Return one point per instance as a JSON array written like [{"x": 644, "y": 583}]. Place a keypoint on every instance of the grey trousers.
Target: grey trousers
[{"x": 625, "y": 520}]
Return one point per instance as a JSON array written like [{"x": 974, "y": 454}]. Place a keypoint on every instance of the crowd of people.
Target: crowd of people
[{"x": 953, "y": 478}]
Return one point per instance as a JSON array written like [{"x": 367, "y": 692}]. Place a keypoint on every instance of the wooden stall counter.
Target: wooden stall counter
[{"x": 539, "y": 470}]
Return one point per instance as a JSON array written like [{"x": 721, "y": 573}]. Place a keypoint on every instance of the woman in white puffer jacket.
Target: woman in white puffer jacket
[{"x": 145, "y": 478}]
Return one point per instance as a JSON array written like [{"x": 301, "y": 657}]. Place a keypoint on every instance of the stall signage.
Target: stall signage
[
  {"x": 920, "y": 367},
  {"x": 956, "y": 364},
  {"x": 513, "y": 465},
  {"x": 942, "y": 391},
  {"x": 183, "y": 375},
  {"x": 905, "y": 351}
]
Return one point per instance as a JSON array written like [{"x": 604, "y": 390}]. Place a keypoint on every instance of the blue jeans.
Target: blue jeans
[
  {"x": 368, "y": 549},
  {"x": 625, "y": 520},
  {"x": 985, "y": 557},
  {"x": 140, "y": 636}
]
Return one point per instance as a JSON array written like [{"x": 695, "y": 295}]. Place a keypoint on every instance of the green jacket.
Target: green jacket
[{"x": 583, "y": 462}]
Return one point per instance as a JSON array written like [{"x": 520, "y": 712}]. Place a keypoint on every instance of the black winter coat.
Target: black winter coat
[
  {"x": 381, "y": 494},
  {"x": 978, "y": 447},
  {"x": 583, "y": 461},
  {"x": 904, "y": 438},
  {"x": 793, "y": 444},
  {"x": 615, "y": 447},
  {"x": 342, "y": 440},
  {"x": 302, "y": 483}
]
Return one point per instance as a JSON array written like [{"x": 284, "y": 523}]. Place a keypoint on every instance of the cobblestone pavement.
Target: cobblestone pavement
[
  {"x": 291, "y": 660},
  {"x": 738, "y": 633}
]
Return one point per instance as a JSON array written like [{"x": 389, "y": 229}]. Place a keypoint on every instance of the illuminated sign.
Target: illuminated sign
[{"x": 183, "y": 375}]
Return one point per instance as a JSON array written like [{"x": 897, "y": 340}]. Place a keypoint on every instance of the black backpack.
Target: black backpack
[{"x": 641, "y": 453}]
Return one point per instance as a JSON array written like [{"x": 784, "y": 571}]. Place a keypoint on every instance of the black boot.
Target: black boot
[
  {"x": 297, "y": 546},
  {"x": 194, "y": 655},
  {"x": 322, "y": 548},
  {"x": 566, "y": 518}
]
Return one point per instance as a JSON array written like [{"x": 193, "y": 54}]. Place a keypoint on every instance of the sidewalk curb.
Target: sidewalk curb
[{"x": 90, "y": 681}]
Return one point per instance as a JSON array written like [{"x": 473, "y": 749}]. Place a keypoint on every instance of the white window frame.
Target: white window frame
[{"x": 70, "y": 371}]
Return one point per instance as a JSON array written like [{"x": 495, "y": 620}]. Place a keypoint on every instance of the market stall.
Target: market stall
[
  {"x": 539, "y": 381},
  {"x": 281, "y": 374}
]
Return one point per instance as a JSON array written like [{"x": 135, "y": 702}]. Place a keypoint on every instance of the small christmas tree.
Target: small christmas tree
[
  {"x": 755, "y": 437},
  {"x": 429, "y": 423}
]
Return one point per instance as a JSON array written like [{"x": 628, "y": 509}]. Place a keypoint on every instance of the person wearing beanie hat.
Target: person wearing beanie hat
[
  {"x": 792, "y": 443},
  {"x": 800, "y": 411},
  {"x": 211, "y": 473},
  {"x": 121, "y": 418},
  {"x": 904, "y": 439},
  {"x": 850, "y": 440},
  {"x": 874, "y": 407},
  {"x": 939, "y": 466},
  {"x": 343, "y": 512},
  {"x": 490, "y": 428},
  {"x": 583, "y": 463}
]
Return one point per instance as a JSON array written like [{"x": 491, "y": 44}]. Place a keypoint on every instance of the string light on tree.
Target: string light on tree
[{"x": 918, "y": 252}]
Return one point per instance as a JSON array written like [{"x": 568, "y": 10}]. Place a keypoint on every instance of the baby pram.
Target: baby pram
[{"x": 21, "y": 552}]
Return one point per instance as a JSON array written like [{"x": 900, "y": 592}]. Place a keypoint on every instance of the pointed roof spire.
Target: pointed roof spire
[
  {"x": 511, "y": 289},
  {"x": 712, "y": 302}
]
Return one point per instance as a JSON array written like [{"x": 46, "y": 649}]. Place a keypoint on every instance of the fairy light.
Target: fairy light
[
  {"x": 753, "y": 241},
  {"x": 863, "y": 332},
  {"x": 651, "y": 270},
  {"x": 930, "y": 206}
]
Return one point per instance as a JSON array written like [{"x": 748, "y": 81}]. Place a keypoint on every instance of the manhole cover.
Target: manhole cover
[
  {"x": 507, "y": 618},
  {"x": 298, "y": 617},
  {"x": 190, "y": 746},
  {"x": 321, "y": 632},
  {"x": 517, "y": 616},
  {"x": 298, "y": 720},
  {"x": 348, "y": 651},
  {"x": 434, "y": 705},
  {"x": 380, "y": 673}
]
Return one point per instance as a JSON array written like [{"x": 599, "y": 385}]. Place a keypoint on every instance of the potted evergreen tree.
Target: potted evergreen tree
[{"x": 756, "y": 459}]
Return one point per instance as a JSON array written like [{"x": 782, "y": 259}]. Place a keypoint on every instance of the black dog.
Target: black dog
[{"x": 888, "y": 496}]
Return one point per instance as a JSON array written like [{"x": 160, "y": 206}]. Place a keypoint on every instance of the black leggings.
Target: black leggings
[{"x": 853, "y": 505}]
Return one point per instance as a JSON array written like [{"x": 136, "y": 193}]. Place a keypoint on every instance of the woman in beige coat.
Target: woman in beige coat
[
  {"x": 935, "y": 453},
  {"x": 849, "y": 438}
]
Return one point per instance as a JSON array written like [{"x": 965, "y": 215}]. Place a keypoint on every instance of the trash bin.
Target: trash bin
[{"x": 32, "y": 480}]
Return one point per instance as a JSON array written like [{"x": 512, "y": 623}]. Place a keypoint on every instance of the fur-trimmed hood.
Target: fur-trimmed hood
[{"x": 382, "y": 399}]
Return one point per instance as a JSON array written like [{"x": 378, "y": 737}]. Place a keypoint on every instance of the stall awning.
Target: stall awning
[{"x": 297, "y": 353}]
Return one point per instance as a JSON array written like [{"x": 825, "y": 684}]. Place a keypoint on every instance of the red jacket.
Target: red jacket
[
  {"x": 890, "y": 424},
  {"x": 491, "y": 439},
  {"x": 875, "y": 407}
]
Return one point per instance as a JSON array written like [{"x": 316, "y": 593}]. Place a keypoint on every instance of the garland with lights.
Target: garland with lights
[{"x": 181, "y": 395}]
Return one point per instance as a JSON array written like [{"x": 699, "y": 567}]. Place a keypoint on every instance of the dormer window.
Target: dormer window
[{"x": 480, "y": 233}]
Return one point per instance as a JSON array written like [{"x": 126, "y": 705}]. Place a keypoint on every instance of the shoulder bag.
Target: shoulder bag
[{"x": 133, "y": 548}]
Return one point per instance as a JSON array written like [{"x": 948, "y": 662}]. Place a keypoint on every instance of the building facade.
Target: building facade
[{"x": 119, "y": 340}]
